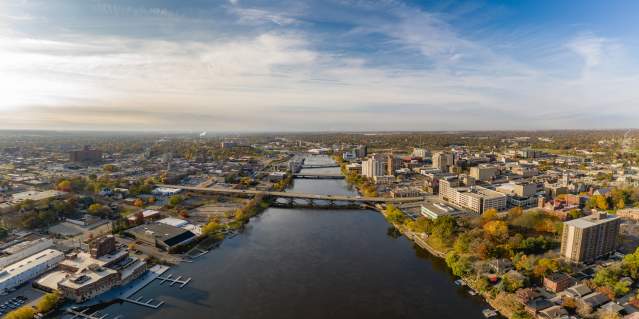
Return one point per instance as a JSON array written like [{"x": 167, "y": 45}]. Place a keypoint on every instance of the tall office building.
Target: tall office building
[
  {"x": 393, "y": 163},
  {"x": 374, "y": 166},
  {"x": 588, "y": 238},
  {"x": 442, "y": 160},
  {"x": 87, "y": 154},
  {"x": 420, "y": 152}
]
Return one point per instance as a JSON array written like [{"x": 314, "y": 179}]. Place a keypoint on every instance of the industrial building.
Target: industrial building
[{"x": 31, "y": 267}]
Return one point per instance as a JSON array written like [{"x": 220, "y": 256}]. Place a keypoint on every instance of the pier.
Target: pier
[
  {"x": 149, "y": 303},
  {"x": 85, "y": 315},
  {"x": 174, "y": 280}
]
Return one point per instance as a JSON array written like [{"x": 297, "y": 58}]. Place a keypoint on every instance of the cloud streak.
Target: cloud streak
[{"x": 271, "y": 71}]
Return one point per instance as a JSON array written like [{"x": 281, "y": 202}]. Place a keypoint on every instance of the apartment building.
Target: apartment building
[
  {"x": 585, "y": 239},
  {"x": 374, "y": 166}
]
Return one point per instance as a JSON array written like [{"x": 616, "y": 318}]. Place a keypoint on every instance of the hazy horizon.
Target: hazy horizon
[{"x": 318, "y": 66}]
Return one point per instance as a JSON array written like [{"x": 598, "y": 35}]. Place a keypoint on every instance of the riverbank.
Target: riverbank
[{"x": 420, "y": 239}]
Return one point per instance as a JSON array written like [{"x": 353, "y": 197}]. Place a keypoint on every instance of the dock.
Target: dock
[
  {"x": 174, "y": 280},
  {"x": 148, "y": 303},
  {"x": 85, "y": 315}
]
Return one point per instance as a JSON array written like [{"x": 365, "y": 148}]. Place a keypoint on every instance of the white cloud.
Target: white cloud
[{"x": 280, "y": 80}]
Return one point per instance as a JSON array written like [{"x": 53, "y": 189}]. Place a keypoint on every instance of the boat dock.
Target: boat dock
[
  {"x": 149, "y": 303},
  {"x": 85, "y": 315},
  {"x": 174, "y": 280},
  {"x": 153, "y": 273}
]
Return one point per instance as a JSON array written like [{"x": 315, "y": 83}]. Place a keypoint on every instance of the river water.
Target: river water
[{"x": 312, "y": 263}]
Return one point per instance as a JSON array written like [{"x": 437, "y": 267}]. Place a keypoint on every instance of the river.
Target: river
[{"x": 312, "y": 263}]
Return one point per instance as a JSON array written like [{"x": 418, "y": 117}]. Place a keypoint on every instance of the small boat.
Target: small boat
[
  {"x": 459, "y": 282},
  {"x": 489, "y": 313},
  {"x": 472, "y": 292}
]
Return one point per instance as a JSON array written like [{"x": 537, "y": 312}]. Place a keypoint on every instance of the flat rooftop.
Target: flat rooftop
[{"x": 591, "y": 220}]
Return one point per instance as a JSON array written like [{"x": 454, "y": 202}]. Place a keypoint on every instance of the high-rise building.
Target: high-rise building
[
  {"x": 588, "y": 238},
  {"x": 483, "y": 172},
  {"x": 361, "y": 151},
  {"x": 393, "y": 163},
  {"x": 420, "y": 152},
  {"x": 85, "y": 155},
  {"x": 374, "y": 166},
  {"x": 442, "y": 160}
]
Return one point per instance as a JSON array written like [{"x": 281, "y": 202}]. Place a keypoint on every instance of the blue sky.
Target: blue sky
[{"x": 318, "y": 65}]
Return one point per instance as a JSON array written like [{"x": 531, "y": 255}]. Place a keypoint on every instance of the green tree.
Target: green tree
[
  {"x": 175, "y": 200},
  {"x": 459, "y": 265}
]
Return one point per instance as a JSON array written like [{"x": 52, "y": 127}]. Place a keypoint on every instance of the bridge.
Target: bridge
[
  {"x": 296, "y": 195},
  {"x": 319, "y": 165},
  {"x": 318, "y": 176}
]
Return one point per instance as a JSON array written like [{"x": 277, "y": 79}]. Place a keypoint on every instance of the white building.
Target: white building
[
  {"x": 476, "y": 198},
  {"x": 29, "y": 268},
  {"x": 374, "y": 166},
  {"x": 442, "y": 160},
  {"x": 23, "y": 250},
  {"x": 421, "y": 153},
  {"x": 166, "y": 191}
]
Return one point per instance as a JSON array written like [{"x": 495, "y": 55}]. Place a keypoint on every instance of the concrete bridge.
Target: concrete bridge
[
  {"x": 318, "y": 176},
  {"x": 296, "y": 195},
  {"x": 319, "y": 165}
]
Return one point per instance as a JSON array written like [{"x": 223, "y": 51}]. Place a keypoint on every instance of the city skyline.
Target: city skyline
[{"x": 317, "y": 65}]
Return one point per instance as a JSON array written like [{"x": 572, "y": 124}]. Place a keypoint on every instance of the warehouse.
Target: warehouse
[{"x": 29, "y": 268}]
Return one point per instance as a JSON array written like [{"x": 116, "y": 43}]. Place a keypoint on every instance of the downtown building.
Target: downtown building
[
  {"x": 587, "y": 238},
  {"x": 374, "y": 166},
  {"x": 475, "y": 198},
  {"x": 442, "y": 160}
]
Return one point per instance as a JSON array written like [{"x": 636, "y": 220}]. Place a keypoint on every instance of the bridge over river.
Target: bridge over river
[{"x": 297, "y": 195}]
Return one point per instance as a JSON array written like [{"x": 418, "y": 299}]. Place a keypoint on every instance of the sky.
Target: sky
[{"x": 318, "y": 65}]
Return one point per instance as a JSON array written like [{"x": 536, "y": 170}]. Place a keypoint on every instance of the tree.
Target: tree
[
  {"x": 459, "y": 265},
  {"x": 48, "y": 302},
  {"x": 444, "y": 228},
  {"x": 515, "y": 212},
  {"x": 394, "y": 215},
  {"x": 98, "y": 209},
  {"x": 138, "y": 202},
  {"x": 175, "y": 200},
  {"x": 631, "y": 263},
  {"x": 496, "y": 229},
  {"x": 64, "y": 186},
  {"x": 545, "y": 266},
  {"x": 21, "y": 313},
  {"x": 489, "y": 214},
  {"x": 211, "y": 228},
  {"x": 462, "y": 243}
]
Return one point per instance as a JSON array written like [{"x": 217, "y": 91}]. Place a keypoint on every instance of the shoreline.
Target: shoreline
[{"x": 421, "y": 242}]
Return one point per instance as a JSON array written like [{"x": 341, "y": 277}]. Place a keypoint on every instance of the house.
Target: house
[
  {"x": 524, "y": 295},
  {"x": 578, "y": 291},
  {"x": 536, "y": 305},
  {"x": 595, "y": 299},
  {"x": 501, "y": 265},
  {"x": 611, "y": 307},
  {"x": 554, "y": 312},
  {"x": 557, "y": 282}
]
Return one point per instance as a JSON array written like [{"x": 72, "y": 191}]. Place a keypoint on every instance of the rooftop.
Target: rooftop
[{"x": 597, "y": 218}]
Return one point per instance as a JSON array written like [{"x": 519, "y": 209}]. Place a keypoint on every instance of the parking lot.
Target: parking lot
[{"x": 24, "y": 295}]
